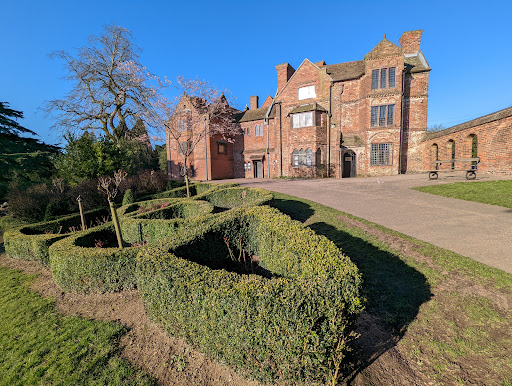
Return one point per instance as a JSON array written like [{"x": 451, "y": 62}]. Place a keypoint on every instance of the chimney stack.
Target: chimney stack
[
  {"x": 284, "y": 73},
  {"x": 410, "y": 41},
  {"x": 254, "y": 102}
]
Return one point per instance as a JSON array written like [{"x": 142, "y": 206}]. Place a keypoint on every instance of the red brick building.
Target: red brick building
[
  {"x": 366, "y": 117},
  {"x": 488, "y": 137},
  {"x": 360, "y": 118},
  {"x": 211, "y": 156}
]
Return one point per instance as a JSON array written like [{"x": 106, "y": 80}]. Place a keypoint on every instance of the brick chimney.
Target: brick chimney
[
  {"x": 410, "y": 41},
  {"x": 284, "y": 73},
  {"x": 254, "y": 102}
]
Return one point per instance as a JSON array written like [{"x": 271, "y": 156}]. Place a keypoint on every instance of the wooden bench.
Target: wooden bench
[{"x": 470, "y": 170}]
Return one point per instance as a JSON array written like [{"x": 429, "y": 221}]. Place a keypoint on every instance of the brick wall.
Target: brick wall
[{"x": 494, "y": 147}]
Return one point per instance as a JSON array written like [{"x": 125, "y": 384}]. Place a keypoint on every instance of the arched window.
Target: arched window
[
  {"x": 302, "y": 157},
  {"x": 245, "y": 166},
  {"x": 248, "y": 131},
  {"x": 248, "y": 166},
  {"x": 295, "y": 158},
  {"x": 309, "y": 157}
]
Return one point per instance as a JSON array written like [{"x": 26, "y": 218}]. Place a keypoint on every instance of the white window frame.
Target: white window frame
[
  {"x": 305, "y": 119},
  {"x": 307, "y": 92}
]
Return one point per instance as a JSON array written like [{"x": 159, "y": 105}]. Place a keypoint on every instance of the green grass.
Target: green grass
[
  {"x": 487, "y": 192},
  {"x": 39, "y": 346},
  {"x": 454, "y": 337}
]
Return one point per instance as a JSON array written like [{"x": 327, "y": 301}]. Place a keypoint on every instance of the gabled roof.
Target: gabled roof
[
  {"x": 308, "y": 107},
  {"x": 501, "y": 114},
  {"x": 384, "y": 49},
  {"x": 255, "y": 114},
  {"x": 346, "y": 71}
]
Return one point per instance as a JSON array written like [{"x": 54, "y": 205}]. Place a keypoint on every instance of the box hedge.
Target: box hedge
[
  {"x": 31, "y": 242},
  {"x": 195, "y": 189},
  {"x": 234, "y": 197},
  {"x": 78, "y": 265},
  {"x": 289, "y": 323}
]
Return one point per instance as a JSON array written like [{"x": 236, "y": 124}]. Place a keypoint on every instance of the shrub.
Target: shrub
[
  {"x": 79, "y": 264},
  {"x": 173, "y": 184},
  {"x": 31, "y": 242},
  {"x": 146, "y": 182},
  {"x": 233, "y": 197},
  {"x": 30, "y": 204},
  {"x": 290, "y": 324},
  {"x": 128, "y": 197},
  {"x": 195, "y": 189}
]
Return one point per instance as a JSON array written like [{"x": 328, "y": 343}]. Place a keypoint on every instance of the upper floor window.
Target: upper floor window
[
  {"x": 182, "y": 125},
  {"x": 382, "y": 115},
  {"x": 222, "y": 148},
  {"x": 302, "y": 119},
  {"x": 247, "y": 131},
  {"x": 307, "y": 92},
  {"x": 383, "y": 78},
  {"x": 258, "y": 131}
]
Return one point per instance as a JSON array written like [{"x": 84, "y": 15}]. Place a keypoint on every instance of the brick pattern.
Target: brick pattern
[
  {"x": 493, "y": 146},
  {"x": 342, "y": 120}
]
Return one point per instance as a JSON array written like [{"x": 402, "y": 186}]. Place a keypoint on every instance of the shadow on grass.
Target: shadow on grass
[
  {"x": 394, "y": 290},
  {"x": 295, "y": 209}
]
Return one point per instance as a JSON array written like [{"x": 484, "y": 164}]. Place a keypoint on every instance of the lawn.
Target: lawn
[
  {"x": 487, "y": 192},
  {"x": 448, "y": 318},
  {"x": 39, "y": 346}
]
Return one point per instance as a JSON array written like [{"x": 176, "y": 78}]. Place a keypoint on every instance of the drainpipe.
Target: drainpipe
[
  {"x": 340, "y": 157},
  {"x": 329, "y": 132},
  {"x": 402, "y": 110},
  {"x": 205, "y": 150},
  {"x": 268, "y": 134}
]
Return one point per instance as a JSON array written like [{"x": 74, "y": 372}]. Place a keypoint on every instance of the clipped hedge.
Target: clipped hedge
[
  {"x": 31, "y": 242},
  {"x": 78, "y": 266},
  {"x": 289, "y": 323},
  {"x": 234, "y": 197},
  {"x": 195, "y": 189}
]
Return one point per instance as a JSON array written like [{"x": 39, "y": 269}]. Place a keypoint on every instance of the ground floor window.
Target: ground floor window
[
  {"x": 302, "y": 157},
  {"x": 381, "y": 154}
]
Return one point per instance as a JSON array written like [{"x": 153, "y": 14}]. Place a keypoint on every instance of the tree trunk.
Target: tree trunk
[
  {"x": 116, "y": 224},
  {"x": 81, "y": 212},
  {"x": 187, "y": 183}
]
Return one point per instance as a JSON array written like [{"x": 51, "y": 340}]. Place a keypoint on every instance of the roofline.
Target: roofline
[
  {"x": 471, "y": 123},
  {"x": 318, "y": 68}
]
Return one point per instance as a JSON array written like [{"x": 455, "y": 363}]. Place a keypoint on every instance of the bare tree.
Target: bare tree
[
  {"x": 111, "y": 88},
  {"x": 201, "y": 111},
  {"x": 110, "y": 187}
]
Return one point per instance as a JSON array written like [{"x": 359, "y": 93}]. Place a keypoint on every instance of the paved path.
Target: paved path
[{"x": 482, "y": 232}]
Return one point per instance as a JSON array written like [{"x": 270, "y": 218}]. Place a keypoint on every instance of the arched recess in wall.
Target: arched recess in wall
[
  {"x": 434, "y": 154},
  {"x": 472, "y": 148},
  {"x": 450, "y": 150},
  {"x": 318, "y": 157}
]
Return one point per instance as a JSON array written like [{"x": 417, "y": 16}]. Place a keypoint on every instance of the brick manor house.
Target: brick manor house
[{"x": 360, "y": 118}]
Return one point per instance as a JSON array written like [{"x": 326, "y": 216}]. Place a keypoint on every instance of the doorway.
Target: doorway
[
  {"x": 349, "y": 164},
  {"x": 258, "y": 169}
]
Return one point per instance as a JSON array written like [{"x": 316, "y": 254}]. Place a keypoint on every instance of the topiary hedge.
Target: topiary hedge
[
  {"x": 195, "y": 189},
  {"x": 90, "y": 261},
  {"x": 288, "y": 322},
  {"x": 234, "y": 197},
  {"x": 31, "y": 242}
]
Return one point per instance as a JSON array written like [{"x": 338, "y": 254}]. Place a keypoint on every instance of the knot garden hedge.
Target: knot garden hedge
[{"x": 242, "y": 282}]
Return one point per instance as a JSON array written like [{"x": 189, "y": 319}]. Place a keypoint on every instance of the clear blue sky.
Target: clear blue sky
[{"x": 236, "y": 44}]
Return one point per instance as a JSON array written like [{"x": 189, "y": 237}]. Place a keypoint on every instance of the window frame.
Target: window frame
[
  {"x": 299, "y": 118},
  {"x": 382, "y": 115},
  {"x": 383, "y": 78},
  {"x": 224, "y": 145},
  {"x": 381, "y": 154},
  {"x": 308, "y": 92}
]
